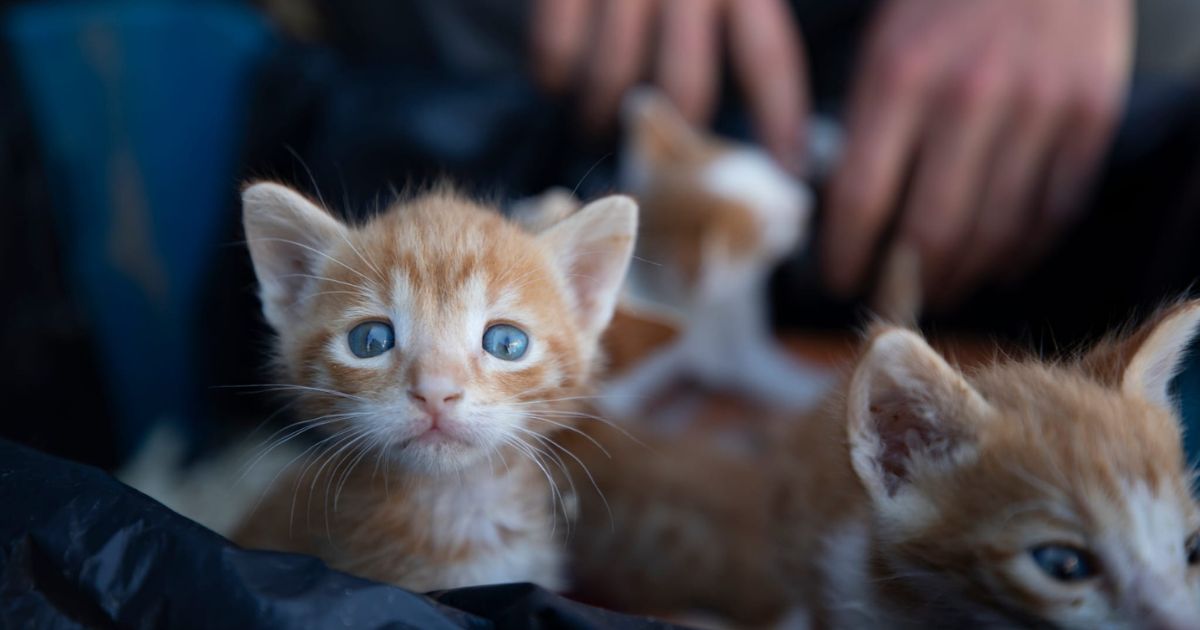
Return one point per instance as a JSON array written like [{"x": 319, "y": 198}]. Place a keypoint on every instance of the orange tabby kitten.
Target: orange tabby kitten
[
  {"x": 1023, "y": 494},
  {"x": 1019, "y": 494},
  {"x": 437, "y": 346},
  {"x": 718, "y": 216}
]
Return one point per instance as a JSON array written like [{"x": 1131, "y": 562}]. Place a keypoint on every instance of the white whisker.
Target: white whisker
[{"x": 313, "y": 250}]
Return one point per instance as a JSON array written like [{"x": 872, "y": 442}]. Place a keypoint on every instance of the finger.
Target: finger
[
  {"x": 1102, "y": 43},
  {"x": 558, "y": 36},
  {"x": 1015, "y": 185},
  {"x": 950, "y": 170},
  {"x": 616, "y": 59},
  {"x": 688, "y": 69},
  {"x": 884, "y": 115},
  {"x": 764, "y": 44},
  {"x": 1071, "y": 175}
]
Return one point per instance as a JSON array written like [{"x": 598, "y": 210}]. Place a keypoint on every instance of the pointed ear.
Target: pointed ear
[
  {"x": 1144, "y": 363},
  {"x": 536, "y": 214},
  {"x": 911, "y": 415},
  {"x": 288, "y": 236},
  {"x": 638, "y": 331},
  {"x": 591, "y": 249},
  {"x": 656, "y": 130}
]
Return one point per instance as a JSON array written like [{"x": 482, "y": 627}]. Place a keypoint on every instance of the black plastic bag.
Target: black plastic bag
[{"x": 83, "y": 550}]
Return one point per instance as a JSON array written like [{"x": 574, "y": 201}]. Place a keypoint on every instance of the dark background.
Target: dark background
[{"x": 127, "y": 128}]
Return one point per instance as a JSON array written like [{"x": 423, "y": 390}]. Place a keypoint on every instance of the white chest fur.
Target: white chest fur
[{"x": 482, "y": 527}]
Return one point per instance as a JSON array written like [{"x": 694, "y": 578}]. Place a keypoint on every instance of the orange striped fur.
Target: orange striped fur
[
  {"x": 914, "y": 497},
  {"x": 399, "y": 488}
]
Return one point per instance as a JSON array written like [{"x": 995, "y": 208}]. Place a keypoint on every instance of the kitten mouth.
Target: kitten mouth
[
  {"x": 438, "y": 431},
  {"x": 435, "y": 435}
]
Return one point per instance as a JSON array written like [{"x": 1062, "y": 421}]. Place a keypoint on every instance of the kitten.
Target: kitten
[
  {"x": 1023, "y": 493},
  {"x": 438, "y": 348},
  {"x": 717, "y": 218}
]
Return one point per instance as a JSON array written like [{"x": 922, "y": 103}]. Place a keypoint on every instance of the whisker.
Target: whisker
[
  {"x": 340, "y": 436},
  {"x": 306, "y": 425},
  {"x": 586, "y": 471},
  {"x": 358, "y": 253},
  {"x": 313, "y": 250},
  {"x": 605, "y": 421},
  {"x": 363, "y": 449},
  {"x": 573, "y": 430},
  {"x": 556, "y": 496},
  {"x": 310, "y": 276},
  {"x": 287, "y": 467},
  {"x": 334, "y": 292},
  {"x": 335, "y": 456}
]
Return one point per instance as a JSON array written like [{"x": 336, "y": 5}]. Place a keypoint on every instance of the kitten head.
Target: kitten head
[
  {"x": 1031, "y": 494},
  {"x": 711, "y": 208},
  {"x": 436, "y": 331}
]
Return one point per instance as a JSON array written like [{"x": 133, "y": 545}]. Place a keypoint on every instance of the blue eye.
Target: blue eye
[
  {"x": 505, "y": 342},
  {"x": 371, "y": 339},
  {"x": 1064, "y": 563}
]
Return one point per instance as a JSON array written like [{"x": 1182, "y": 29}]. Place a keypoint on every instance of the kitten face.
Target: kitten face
[
  {"x": 437, "y": 331},
  {"x": 1031, "y": 494},
  {"x": 1074, "y": 509}
]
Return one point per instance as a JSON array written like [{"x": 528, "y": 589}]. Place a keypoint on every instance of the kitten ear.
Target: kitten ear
[
  {"x": 592, "y": 249},
  {"x": 536, "y": 214},
  {"x": 910, "y": 414},
  {"x": 287, "y": 236},
  {"x": 656, "y": 129},
  {"x": 1144, "y": 363}
]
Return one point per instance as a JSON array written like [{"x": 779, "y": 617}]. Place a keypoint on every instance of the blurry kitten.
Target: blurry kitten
[
  {"x": 717, "y": 218},
  {"x": 437, "y": 347},
  {"x": 1023, "y": 493}
]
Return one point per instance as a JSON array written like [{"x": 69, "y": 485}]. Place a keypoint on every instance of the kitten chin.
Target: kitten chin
[
  {"x": 439, "y": 351},
  {"x": 435, "y": 455}
]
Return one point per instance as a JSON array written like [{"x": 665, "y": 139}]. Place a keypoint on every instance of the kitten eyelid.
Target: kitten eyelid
[
  {"x": 507, "y": 322},
  {"x": 359, "y": 320},
  {"x": 1044, "y": 522}
]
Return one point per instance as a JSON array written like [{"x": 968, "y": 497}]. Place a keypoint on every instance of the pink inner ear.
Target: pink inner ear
[{"x": 904, "y": 433}]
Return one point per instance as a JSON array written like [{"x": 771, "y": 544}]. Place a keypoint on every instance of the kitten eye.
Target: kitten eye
[
  {"x": 505, "y": 342},
  {"x": 1192, "y": 548},
  {"x": 1063, "y": 562},
  {"x": 371, "y": 339}
]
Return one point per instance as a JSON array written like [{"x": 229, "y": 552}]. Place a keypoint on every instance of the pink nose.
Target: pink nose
[{"x": 436, "y": 395}]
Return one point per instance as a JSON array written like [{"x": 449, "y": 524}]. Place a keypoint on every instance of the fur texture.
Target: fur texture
[
  {"x": 915, "y": 496},
  {"x": 432, "y": 471}
]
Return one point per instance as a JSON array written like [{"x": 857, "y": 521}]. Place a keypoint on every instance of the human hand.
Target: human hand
[
  {"x": 603, "y": 47},
  {"x": 978, "y": 124}
]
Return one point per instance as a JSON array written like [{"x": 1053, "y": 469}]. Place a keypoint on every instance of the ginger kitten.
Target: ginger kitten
[
  {"x": 1023, "y": 493},
  {"x": 437, "y": 348},
  {"x": 718, "y": 217}
]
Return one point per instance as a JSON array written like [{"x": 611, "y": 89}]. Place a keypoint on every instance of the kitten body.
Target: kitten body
[
  {"x": 431, "y": 471},
  {"x": 917, "y": 496}
]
